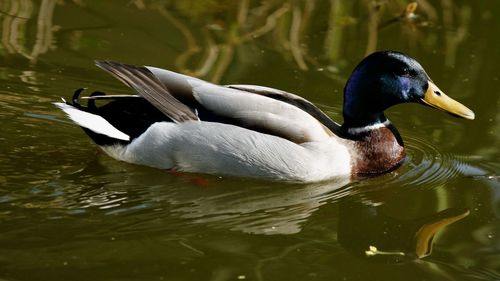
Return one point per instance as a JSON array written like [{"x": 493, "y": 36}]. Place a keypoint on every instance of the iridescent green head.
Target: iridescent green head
[{"x": 387, "y": 78}]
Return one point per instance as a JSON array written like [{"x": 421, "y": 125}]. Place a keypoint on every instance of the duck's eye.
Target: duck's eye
[
  {"x": 406, "y": 72},
  {"x": 402, "y": 72}
]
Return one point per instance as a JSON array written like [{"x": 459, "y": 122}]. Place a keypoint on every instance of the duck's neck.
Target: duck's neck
[
  {"x": 362, "y": 119},
  {"x": 377, "y": 147}
]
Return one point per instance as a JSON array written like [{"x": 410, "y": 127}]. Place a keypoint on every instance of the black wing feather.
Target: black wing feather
[{"x": 149, "y": 87}]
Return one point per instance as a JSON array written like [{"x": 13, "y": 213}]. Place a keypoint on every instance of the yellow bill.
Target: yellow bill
[{"x": 434, "y": 97}]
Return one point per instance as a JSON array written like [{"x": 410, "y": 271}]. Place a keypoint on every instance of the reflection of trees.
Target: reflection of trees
[
  {"x": 15, "y": 36},
  {"x": 217, "y": 57},
  {"x": 289, "y": 27}
]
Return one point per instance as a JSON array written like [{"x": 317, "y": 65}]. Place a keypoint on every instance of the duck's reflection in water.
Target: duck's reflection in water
[
  {"x": 363, "y": 225},
  {"x": 366, "y": 231},
  {"x": 363, "y": 228}
]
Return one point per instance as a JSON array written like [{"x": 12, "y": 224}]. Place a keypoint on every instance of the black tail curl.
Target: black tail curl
[
  {"x": 128, "y": 113},
  {"x": 75, "y": 100},
  {"x": 91, "y": 102},
  {"x": 91, "y": 107}
]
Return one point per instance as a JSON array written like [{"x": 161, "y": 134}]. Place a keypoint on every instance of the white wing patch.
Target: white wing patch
[{"x": 92, "y": 122}]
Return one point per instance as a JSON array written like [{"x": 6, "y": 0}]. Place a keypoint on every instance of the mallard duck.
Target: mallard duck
[{"x": 174, "y": 121}]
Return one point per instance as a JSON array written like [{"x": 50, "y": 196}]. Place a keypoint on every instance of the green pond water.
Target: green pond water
[{"x": 69, "y": 212}]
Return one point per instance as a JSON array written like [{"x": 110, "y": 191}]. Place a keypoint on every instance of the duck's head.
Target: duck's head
[{"x": 387, "y": 78}]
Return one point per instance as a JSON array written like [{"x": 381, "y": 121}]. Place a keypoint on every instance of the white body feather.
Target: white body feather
[{"x": 217, "y": 148}]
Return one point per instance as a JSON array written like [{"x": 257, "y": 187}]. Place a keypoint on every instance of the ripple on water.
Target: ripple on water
[{"x": 426, "y": 165}]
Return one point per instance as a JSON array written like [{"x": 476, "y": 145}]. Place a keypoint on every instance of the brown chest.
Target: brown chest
[{"x": 378, "y": 151}]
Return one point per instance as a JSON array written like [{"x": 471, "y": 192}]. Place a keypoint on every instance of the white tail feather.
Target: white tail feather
[{"x": 92, "y": 122}]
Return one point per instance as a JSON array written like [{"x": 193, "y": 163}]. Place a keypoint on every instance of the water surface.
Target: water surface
[{"x": 69, "y": 212}]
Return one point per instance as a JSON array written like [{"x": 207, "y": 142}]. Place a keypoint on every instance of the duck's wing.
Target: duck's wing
[
  {"x": 186, "y": 96},
  {"x": 292, "y": 99},
  {"x": 149, "y": 87}
]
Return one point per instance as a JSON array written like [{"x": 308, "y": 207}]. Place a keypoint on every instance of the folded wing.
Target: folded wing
[
  {"x": 149, "y": 87},
  {"x": 181, "y": 97}
]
